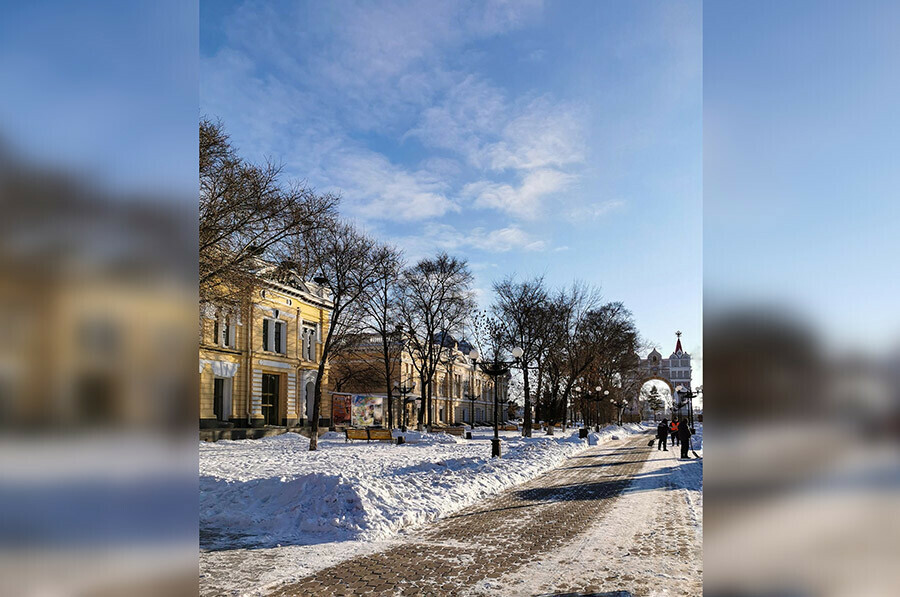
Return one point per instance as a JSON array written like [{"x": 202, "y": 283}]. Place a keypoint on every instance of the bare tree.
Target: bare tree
[
  {"x": 435, "y": 302},
  {"x": 346, "y": 263},
  {"x": 522, "y": 306},
  {"x": 569, "y": 355},
  {"x": 382, "y": 308},
  {"x": 245, "y": 212}
]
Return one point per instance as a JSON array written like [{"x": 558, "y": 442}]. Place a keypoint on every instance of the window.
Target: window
[
  {"x": 224, "y": 328},
  {"x": 308, "y": 337},
  {"x": 274, "y": 336}
]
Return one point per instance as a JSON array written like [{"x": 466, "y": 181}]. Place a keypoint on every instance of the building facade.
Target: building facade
[
  {"x": 675, "y": 370},
  {"x": 259, "y": 359},
  {"x": 461, "y": 392}
]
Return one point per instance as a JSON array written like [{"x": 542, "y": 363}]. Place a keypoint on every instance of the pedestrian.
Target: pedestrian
[
  {"x": 673, "y": 429},
  {"x": 662, "y": 434},
  {"x": 684, "y": 434}
]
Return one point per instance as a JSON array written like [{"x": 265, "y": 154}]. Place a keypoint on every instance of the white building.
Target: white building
[{"x": 675, "y": 370}]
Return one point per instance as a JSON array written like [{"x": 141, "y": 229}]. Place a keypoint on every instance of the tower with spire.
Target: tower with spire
[{"x": 676, "y": 369}]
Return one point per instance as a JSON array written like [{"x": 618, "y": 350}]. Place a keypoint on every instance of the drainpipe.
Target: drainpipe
[{"x": 249, "y": 364}]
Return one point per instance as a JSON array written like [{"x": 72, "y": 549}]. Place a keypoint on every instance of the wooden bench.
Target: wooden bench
[
  {"x": 460, "y": 431},
  {"x": 357, "y": 434},
  {"x": 369, "y": 434},
  {"x": 509, "y": 428},
  {"x": 383, "y": 435}
]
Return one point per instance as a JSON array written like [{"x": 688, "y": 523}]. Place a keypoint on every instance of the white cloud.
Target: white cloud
[
  {"x": 543, "y": 135},
  {"x": 524, "y": 201},
  {"x": 445, "y": 237},
  {"x": 592, "y": 211},
  {"x": 375, "y": 188}
]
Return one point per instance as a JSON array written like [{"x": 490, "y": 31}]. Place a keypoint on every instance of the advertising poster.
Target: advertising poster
[
  {"x": 340, "y": 409},
  {"x": 367, "y": 411}
]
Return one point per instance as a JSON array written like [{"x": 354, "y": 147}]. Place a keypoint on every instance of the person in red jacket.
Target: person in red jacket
[{"x": 673, "y": 429}]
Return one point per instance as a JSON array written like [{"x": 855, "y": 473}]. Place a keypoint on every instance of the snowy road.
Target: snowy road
[
  {"x": 617, "y": 517},
  {"x": 648, "y": 543}
]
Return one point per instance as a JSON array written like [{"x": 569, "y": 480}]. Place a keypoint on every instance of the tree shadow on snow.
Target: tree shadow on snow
[{"x": 604, "y": 594}]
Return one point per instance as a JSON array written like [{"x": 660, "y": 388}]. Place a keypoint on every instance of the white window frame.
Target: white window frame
[
  {"x": 269, "y": 345},
  {"x": 309, "y": 342}
]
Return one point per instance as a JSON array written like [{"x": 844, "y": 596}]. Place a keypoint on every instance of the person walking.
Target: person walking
[
  {"x": 662, "y": 434},
  {"x": 684, "y": 434},
  {"x": 673, "y": 429}
]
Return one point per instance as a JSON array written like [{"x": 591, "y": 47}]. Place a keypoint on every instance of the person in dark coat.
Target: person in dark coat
[
  {"x": 684, "y": 435},
  {"x": 662, "y": 434}
]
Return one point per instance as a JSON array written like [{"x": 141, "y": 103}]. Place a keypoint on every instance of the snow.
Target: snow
[
  {"x": 649, "y": 543},
  {"x": 274, "y": 491}
]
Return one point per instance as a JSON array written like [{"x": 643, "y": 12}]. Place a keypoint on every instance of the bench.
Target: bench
[
  {"x": 369, "y": 434},
  {"x": 510, "y": 428},
  {"x": 460, "y": 431},
  {"x": 383, "y": 435}
]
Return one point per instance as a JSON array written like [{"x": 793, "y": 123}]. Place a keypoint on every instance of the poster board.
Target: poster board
[
  {"x": 367, "y": 411},
  {"x": 340, "y": 409}
]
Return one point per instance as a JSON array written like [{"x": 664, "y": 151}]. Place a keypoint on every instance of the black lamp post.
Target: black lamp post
[
  {"x": 404, "y": 389},
  {"x": 689, "y": 395},
  {"x": 471, "y": 397},
  {"x": 495, "y": 369},
  {"x": 620, "y": 406}
]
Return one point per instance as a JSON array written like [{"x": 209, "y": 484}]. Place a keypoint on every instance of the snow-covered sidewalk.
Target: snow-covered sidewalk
[
  {"x": 649, "y": 543},
  {"x": 260, "y": 493},
  {"x": 271, "y": 510}
]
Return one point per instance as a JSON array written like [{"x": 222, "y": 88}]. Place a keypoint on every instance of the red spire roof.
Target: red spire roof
[{"x": 678, "y": 344}]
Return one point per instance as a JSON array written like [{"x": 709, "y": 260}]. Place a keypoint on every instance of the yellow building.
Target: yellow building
[
  {"x": 259, "y": 359},
  {"x": 461, "y": 392}
]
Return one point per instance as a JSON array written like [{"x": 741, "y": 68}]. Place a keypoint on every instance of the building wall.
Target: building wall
[
  {"x": 247, "y": 359},
  {"x": 448, "y": 385}
]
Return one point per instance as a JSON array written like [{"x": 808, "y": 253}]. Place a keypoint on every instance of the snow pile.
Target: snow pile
[{"x": 274, "y": 490}]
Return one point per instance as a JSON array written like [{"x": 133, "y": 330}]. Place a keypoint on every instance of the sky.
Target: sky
[
  {"x": 560, "y": 139},
  {"x": 801, "y": 138}
]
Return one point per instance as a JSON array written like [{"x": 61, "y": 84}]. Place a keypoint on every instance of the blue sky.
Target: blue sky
[
  {"x": 562, "y": 139},
  {"x": 802, "y": 134}
]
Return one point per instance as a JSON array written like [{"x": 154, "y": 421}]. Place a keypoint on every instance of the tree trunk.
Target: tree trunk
[
  {"x": 317, "y": 406},
  {"x": 421, "y": 415},
  {"x": 387, "y": 378},
  {"x": 526, "y": 432}
]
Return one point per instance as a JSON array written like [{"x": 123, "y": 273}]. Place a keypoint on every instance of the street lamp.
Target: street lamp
[
  {"x": 690, "y": 401},
  {"x": 404, "y": 389},
  {"x": 471, "y": 397},
  {"x": 620, "y": 405},
  {"x": 495, "y": 369},
  {"x": 599, "y": 399}
]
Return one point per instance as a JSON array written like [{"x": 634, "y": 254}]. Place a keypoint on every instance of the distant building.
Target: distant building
[
  {"x": 674, "y": 371},
  {"x": 461, "y": 393}
]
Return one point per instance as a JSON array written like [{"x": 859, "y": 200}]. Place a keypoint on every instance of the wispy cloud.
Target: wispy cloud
[
  {"x": 522, "y": 201},
  {"x": 544, "y": 134},
  {"x": 375, "y": 188},
  {"x": 435, "y": 236},
  {"x": 592, "y": 211}
]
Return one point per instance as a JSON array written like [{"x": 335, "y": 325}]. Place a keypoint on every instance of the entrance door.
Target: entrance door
[
  {"x": 270, "y": 390},
  {"x": 219, "y": 398}
]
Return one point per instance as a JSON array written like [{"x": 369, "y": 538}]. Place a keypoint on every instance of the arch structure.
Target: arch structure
[
  {"x": 674, "y": 371},
  {"x": 646, "y": 378}
]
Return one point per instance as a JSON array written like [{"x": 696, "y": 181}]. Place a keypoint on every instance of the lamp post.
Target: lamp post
[
  {"x": 495, "y": 369},
  {"x": 689, "y": 395},
  {"x": 404, "y": 389},
  {"x": 471, "y": 397},
  {"x": 601, "y": 393},
  {"x": 620, "y": 405}
]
